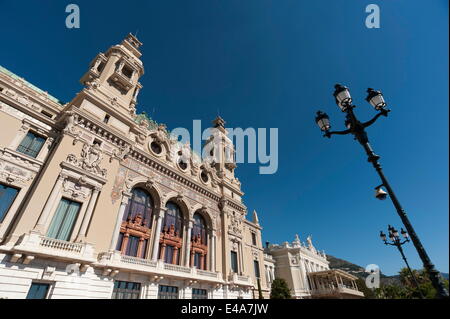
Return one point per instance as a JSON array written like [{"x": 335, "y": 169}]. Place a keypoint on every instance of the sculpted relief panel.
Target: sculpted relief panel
[
  {"x": 91, "y": 156},
  {"x": 235, "y": 225}
]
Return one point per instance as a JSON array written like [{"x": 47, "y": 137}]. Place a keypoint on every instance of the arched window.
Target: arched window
[
  {"x": 139, "y": 203},
  {"x": 199, "y": 229},
  {"x": 199, "y": 242},
  {"x": 171, "y": 239},
  {"x": 135, "y": 229},
  {"x": 173, "y": 218}
]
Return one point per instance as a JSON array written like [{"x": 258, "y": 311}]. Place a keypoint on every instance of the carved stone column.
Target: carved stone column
[
  {"x": 159, "y": 219},
  {"x": 202, "y": 261},
  {"x": 272, "y": 271},
  {"x": 125, "y": 197},
  {"x": 88, "y": 214},
  {"x": 20, "y": 135},
  {"x": 187, "y": 251},
  {"x": 241, "y": 258},
  {"x": 45, "y": 149},
  {"x": 163, "y": 251},
  {"x": 212, "y": 251},
  {"x": 175, "y": 255},
  {"x": 48, "y": 206}
]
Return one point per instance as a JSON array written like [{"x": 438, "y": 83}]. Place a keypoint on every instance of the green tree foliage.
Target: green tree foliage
[
  {"x": 408, "y": 289},
  {"x": 368, "y": 293},
  {"x": 280, "y": 289}
]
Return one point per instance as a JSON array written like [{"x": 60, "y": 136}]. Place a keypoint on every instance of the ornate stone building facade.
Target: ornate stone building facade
[
  {"x": 97, "y": 201},
  {"x": 307, "y": 272}
]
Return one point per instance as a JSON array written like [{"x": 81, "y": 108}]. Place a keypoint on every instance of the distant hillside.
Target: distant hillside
[
  {"x": 337, "y": 263},
  {"x": 358, "y": 271}
]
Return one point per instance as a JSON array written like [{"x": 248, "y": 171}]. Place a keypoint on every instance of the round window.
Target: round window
[
  {"x": 182, "y": 164},
  {"x": 204, "y": 176},
  {"x": 156, "y": 147}
]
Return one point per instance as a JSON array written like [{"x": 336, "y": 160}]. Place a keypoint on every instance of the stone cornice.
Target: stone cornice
[
  {"x": 27, "y": 110},
  {"x": 228, "y": 201},
  {"x": 148, "y": 160},
  {"x": 229, "y": 185},
  {"x": 251, "y": 224},
  {"x": 39, "y": 98}
]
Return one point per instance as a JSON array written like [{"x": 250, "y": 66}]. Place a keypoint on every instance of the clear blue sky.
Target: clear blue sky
[{"x": 273, "y": 64}]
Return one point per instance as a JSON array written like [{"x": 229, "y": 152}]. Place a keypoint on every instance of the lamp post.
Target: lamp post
[
  {"x": 396, "y": 241},
  {"x": 357, "y": 129}
]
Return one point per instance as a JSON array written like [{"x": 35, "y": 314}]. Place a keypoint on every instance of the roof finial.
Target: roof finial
[
  {"x": 255, "y": 217},
  {"x": 219, "y": 122}
]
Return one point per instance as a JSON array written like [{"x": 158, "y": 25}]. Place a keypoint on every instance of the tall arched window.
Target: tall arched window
[
  {"x": 171, "y": 239},
  {"x": 135, "y": 229},
  {"x": 199, "y": 242}
]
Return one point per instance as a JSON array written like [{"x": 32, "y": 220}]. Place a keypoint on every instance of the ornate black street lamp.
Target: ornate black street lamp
[
  {"x": 396, "y": 241},
  {"x": 357, "y": 129}
]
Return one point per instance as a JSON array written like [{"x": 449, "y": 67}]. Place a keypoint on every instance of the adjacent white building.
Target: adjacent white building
[{"x": 307, "y": 271}]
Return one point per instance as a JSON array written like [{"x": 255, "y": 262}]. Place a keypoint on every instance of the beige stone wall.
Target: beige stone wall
[{"x": 10, "y": 126}]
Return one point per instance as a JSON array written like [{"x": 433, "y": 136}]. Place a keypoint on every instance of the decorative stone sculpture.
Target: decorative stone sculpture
[{"x": 91, "y": 156}]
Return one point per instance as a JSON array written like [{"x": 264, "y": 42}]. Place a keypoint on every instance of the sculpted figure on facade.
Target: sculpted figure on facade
[
  {"x": 235, "y": 226},
  {"x": 160, "y": 135},
  {"x": 70, "y": 124},
  {"x": 310, "y": 244},
  {"x": 122, "y": 151}
]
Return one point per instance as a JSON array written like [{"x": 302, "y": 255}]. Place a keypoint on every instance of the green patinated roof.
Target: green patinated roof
[
  {"x": 152, "y": 125},
  {"x": 28, "y": 84}
]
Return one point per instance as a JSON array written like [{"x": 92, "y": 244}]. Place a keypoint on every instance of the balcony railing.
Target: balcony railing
[
  {"x": 115, "y": 260},
  {"x": 36, "y": 244},
  {"x": 336, "y": 290},
  {"x": 178, "y": 268},
  {"x": 61, "y": 244},
  {"x": 240, "y": 279},
  {"x": 207, "y": 273}
]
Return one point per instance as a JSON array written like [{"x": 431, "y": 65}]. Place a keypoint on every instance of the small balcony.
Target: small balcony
[
  {"x": 121, "y": 81},
  {"x": 34, "y": 244},
  {"x": 241, "y": 280}
]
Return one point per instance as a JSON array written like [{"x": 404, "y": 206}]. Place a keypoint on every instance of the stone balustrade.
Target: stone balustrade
[
  {"x": 115, "y": 260},
  {"x": 35, "y": 244},
  {"x": 240, "y": 279},
  {"x": 178, "y": 268},
  {"x": 61, "y": 244}
]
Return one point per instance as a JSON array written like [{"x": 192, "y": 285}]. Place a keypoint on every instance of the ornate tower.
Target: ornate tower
[
  {"x": 221, "y": 150},
  {"x": 114, "y": 75}
]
